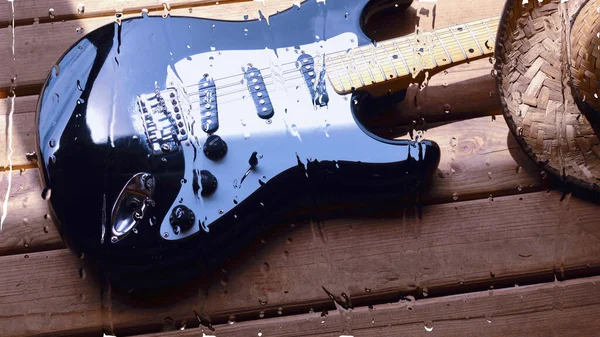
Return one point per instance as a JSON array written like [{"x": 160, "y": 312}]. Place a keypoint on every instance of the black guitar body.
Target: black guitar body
[{"x": 133, "y": 178}]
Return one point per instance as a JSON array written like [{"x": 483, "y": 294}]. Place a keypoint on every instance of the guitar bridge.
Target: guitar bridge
[{"x": 164, "y": 120}]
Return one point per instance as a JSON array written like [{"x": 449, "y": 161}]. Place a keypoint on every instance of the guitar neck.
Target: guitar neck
[{"x": 407, "y": 56}]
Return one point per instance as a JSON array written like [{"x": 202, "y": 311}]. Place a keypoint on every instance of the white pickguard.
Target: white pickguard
[{"x": 323, "y": 133}]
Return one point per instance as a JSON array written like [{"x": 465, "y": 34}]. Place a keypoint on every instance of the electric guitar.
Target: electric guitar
[{"x": 168, "y": 141}]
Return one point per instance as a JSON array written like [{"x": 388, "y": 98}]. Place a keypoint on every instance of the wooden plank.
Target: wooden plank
[
  {"x": 38, "y": 46},
  {"x": 28, "y": 226},
  {"x": 56, "y": 10},
  {"x": 456, "y": 244},
  {"x": 47, "y": 292},
  {"x": 568, "y": 308},
  {"x": 479, "y": 158},
  {"x": 23, "y": 139}
]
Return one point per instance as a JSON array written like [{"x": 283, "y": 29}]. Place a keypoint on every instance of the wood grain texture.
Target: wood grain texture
[
  {"x": 47, "y": 292},
  {"x": 455, "y": 244},
  {"x": 568, "y": 308},
  {"x": 38, "y": 46},
  {"x": 26, "y": 11},
  {"x": 24, "y": 127},
  {"x": 28, "y": 226}
]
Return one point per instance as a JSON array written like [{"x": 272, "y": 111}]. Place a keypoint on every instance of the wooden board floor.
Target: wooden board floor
[{"x": 497, "y": 251}]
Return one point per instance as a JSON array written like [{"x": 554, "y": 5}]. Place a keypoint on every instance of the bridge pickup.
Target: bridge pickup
[
  {"x": 317, "y": 88},
  {"x": 209, "y": 116},
  {"x": 163, "y": 120},
  {"x": 258, "y": 91}
]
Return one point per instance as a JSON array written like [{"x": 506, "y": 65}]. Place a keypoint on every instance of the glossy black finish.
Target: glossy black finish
[{"x": 89, "y": 148}]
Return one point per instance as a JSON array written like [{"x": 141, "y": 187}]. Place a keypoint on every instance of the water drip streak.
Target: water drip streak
[
  {"x": 12, "y": 10},
  {"x": 10, "y": 125},
  {"x": 10, "y": 164}
]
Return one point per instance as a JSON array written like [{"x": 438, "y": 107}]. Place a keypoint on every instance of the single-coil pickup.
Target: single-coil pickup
[
  {"x": 163, "y": 121},
  {"x": 258, "y": 91},
  {"x": 316, "y": 87},
  {"x": 209, "y": 116}
]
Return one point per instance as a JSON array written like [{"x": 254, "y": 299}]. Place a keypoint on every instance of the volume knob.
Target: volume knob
[
  {"x": 215, "y": 147},
  {"x": 208, "y": 182},
  {"x": 182, "y": 218}
]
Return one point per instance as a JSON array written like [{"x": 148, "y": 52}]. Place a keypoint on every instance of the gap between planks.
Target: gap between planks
[
  {"x": 568, "y": 308},
  {"x": 459, "y": 244}
]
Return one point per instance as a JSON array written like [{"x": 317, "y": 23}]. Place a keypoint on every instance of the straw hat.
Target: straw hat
[{"x": 548, "y": 70}]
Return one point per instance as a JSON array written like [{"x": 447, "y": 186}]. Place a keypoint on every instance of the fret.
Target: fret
[
  {"x": 474, "y": 39},
  {"x": 349, "y": 75},
  {"x": 339, "y": 77},
  {"x": 367, "y": 65},
  {"x": 389, "y": 59},
  {"x": 444, "y": 47},
  {"x": 464, "y": 38},
  {"x": 417, "y": 51},
  {"x": 402, "y": 57},
  {"x": 489, "y": 32},
  {"x": 375, "y": 57},
  {"x": 457, "y": 41}
]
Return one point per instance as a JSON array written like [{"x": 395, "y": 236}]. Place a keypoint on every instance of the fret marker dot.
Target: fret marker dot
[{"x": 471, "y": 50}]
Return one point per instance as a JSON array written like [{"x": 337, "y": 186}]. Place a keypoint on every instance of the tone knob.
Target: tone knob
[
  {"x": 182, "y": 218},
  {"x": 208, "y": 182},
  {"x": 215, "y": 147}
]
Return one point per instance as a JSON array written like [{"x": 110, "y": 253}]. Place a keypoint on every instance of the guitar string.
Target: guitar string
[
  {"x": 334, "y": 64},
  {"x": 283, "y": 80}
]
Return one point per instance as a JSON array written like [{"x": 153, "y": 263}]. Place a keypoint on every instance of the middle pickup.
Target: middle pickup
[{"x": 259, "y": 93}]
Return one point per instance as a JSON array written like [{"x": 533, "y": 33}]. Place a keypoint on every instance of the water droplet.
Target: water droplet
[
  {"x": 56, "y": 98},
  {"x": 79, "y": 30},
  {"x": 51, "y": 13},
  {"x": 46, "y": 229},
  {"x": 221, "y": 211},
  {"x": 491, "y": 198},
  {"x": 280, "y": 311},
  {"x": 489, "y": 175},
  {"x": 261, "y": 314},
  {"x": 80, "y": 101},
  {"x": 367, "y": 290},
  {"x": 259, "y": 333},
  {"x": 46, "y": 193},
  {"x": 454, "y": 196},
  {"x": 231, "y": 320},
  {"x": 488, "y": 318},
  {"x": 80, "y": 8},
  {"x": 453, "y": 142},
  {"x": 262, "y": 302},
  {"x": 429, "y": 326},
  {"x": 543, "y": 174},
  {"x": 447, "y": 108},
  {"x": 519, "y": 188},
  {"x": 425, "y": 293},
  {"x": 52, "y": 143},
  {"x": 265, "y": 267}
]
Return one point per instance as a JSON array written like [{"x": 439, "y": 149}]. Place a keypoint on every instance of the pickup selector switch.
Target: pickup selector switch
[{"x": 215, "y": 147}]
